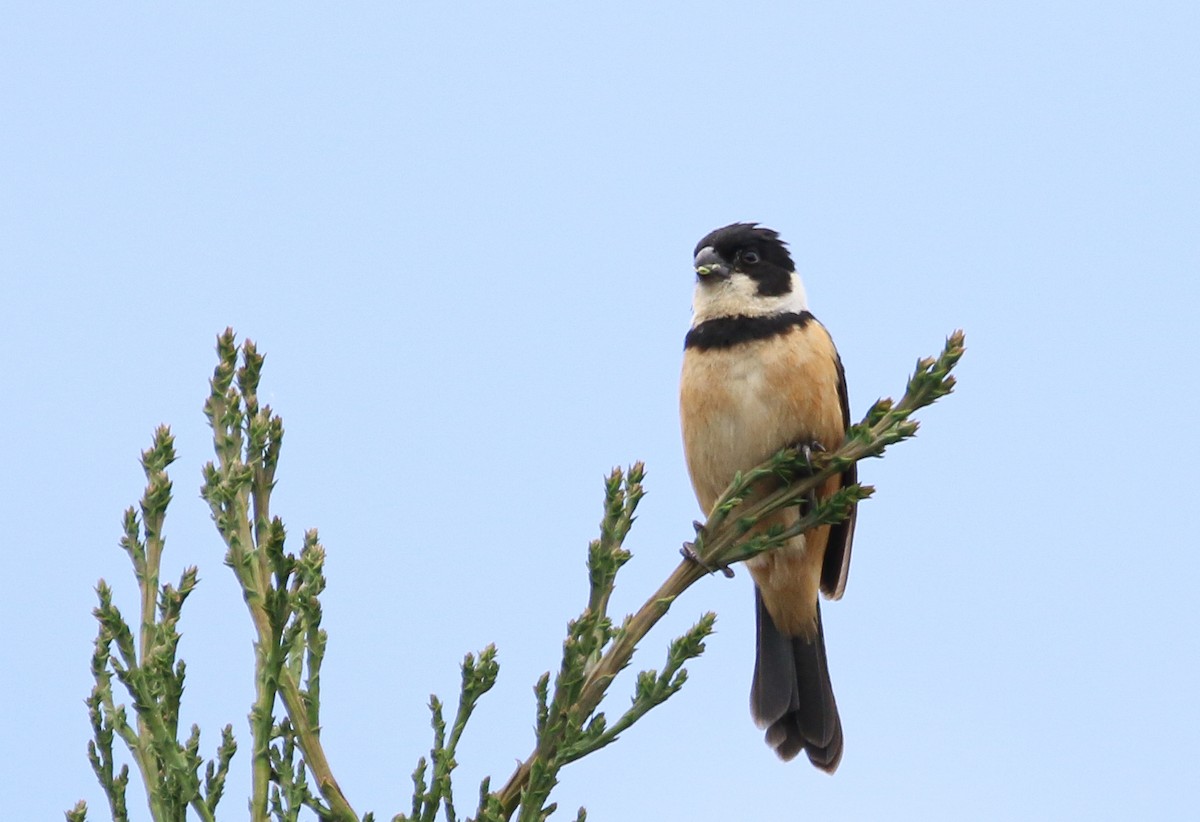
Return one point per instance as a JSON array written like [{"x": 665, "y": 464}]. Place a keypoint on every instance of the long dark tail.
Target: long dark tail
[{"x": 792, "y": 696}]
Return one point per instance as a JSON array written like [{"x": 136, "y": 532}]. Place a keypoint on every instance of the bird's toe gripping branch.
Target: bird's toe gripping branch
[
  {"x": 806, "y": 451},
  {"x": 689, "y": 552}
]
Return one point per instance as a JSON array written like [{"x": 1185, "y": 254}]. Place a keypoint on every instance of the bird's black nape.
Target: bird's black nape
[{"x": 771, "y": 264}]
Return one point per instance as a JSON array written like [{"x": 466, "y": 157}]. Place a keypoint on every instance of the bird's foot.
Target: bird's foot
[
  {"x": 807, "y": 449},
  {"x": 689, "y": 552}
]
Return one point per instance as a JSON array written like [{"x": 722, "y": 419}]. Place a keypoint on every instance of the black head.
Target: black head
[{"x": 749, "y": 249}]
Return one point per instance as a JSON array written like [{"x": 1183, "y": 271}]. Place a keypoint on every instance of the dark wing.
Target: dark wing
[{"x": 836, "y": 567}]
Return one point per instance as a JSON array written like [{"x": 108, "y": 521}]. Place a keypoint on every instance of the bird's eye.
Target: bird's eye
[{"x": 750, "y": 257}]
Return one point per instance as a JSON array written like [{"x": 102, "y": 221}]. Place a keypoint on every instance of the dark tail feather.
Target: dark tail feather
[{"x": 792, "y": 696}]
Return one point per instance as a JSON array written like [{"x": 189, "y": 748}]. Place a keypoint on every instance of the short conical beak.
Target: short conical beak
[{"x": 709, "y": 265}]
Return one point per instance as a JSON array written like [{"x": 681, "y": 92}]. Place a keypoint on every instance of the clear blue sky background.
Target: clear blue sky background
[{"x": 463, "y": 236}]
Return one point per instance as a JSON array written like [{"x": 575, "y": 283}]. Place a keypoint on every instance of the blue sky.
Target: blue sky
[{"x": 463, "y": 237}]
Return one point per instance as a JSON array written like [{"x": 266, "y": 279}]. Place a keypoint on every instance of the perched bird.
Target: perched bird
[{"x": 761, "y": 374}]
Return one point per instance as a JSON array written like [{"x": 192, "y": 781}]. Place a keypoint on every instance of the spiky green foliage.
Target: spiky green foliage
[
  {"x": 290, "y": 771},
  {"x": 144, "y": 663},
  {"x": 786, "y": 480},
  {"x": 281, "y": 590}
]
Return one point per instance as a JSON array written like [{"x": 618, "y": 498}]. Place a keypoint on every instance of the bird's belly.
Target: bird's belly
[
  {"x": 740, "y": 412},
  {"x": 740, "y": 406}
]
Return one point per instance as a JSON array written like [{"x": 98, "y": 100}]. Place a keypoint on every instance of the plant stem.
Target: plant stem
[
  {"x": 308, "y": 738},
  {"x": 722, "y": 541},
  {"x": 616, "y": 658}
]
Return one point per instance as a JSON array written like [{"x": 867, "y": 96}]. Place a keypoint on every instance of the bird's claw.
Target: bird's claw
[
  {"x": 806, "y": 451},
  {"x": 689, "y": 552}
]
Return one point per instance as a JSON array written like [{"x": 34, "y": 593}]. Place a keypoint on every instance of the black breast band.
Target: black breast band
[{"x": 726, "y": 332}]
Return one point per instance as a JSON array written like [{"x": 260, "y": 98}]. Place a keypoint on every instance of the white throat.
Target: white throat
[{"x": 738, "y": 296}]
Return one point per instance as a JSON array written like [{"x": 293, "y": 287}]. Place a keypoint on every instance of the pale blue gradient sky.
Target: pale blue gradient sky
[{"x": 463, "y": 237}]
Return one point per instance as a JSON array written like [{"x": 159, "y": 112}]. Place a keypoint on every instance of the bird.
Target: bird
[{"x": 760, "y": 374}]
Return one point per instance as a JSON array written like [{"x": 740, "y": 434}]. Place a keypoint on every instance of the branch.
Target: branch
[
  {"x": 478, "y": 677},
  {"x": 280, "y": 589},
  {"x": 146, "y": 665},
  {"x": 719, "y": 543}
]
